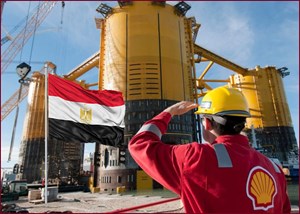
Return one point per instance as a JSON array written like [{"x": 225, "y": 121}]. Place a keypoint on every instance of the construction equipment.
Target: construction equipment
[
  {"x": 75, "y": 73},
  {"x": 15, "y": 99},
  {"x": 18, "y": 97},
  {"x": 19, "y": 41},
  {"x": 14, "y": 189},
  {"x": 6, "y": 38}
]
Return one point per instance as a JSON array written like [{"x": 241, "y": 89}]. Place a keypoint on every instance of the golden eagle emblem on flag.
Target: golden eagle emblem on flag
[
  {"x": 86, "y": 114},
  {"x": 81, "y": 115}
]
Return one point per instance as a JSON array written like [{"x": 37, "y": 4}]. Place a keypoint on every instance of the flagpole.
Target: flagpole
[{"x": 46, "y": 134}]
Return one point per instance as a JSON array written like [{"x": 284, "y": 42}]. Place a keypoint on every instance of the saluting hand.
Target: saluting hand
[{"x": 181, "y": 108}]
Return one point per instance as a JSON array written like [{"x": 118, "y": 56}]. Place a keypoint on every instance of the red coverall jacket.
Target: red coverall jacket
[{"x": 224, "y": 177}]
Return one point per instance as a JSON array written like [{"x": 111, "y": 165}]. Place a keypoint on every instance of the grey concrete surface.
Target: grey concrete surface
[{"x": 80, "y": 202}]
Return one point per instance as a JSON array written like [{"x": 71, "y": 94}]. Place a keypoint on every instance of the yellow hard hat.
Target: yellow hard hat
[{"x": 224, "y": 101}]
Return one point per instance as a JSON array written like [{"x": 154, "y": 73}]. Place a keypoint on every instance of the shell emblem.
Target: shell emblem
[{"x": 261, "y": 188}]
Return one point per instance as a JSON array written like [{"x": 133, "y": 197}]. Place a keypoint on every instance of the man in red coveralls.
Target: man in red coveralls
[{"x": 224, "y": 175}]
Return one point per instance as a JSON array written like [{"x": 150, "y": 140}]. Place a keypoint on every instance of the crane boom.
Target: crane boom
[
  {"x": 5, "y": 39},
  {"x": 13, "y": 101},
  {"x": 16, "y": 45}
]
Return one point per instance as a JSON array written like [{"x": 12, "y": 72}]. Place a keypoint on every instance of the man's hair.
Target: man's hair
[{"x": 234, "y": 125}]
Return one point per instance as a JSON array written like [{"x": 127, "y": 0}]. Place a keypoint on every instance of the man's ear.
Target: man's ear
[{"x": 207, "y": 124}]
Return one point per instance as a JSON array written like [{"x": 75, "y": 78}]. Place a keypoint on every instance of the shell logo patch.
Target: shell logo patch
[{"x": 261, "y": 188}]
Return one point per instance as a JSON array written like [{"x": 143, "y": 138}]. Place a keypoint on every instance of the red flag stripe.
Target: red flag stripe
[{"x": 71, "y": 91}]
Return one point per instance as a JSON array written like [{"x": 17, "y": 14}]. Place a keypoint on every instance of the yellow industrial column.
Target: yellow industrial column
[
  {"x": 145, "y": 54},
  {"x": 270, "y": 115}
]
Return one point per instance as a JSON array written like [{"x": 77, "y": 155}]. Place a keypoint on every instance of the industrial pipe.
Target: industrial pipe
[{"x": 143, "y": 206}]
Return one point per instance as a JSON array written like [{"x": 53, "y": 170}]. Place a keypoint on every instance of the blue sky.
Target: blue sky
[{"x": 247, "y": 33}]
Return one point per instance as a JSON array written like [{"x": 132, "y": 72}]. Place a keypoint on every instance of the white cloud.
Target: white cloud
[
  {"x": 225, "y": 31},
  {"x": 288, "y": 30},
  {"x": 80, "y": 26}
]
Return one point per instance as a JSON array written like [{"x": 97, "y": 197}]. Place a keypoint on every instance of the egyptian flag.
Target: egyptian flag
[{"x": 80, "y": 115}]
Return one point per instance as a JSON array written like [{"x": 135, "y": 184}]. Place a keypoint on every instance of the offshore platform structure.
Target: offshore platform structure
[{"x": 148, "y": 52}]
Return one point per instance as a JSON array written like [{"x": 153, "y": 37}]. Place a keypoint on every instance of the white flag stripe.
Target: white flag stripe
[{"x": 101, "y": 115}]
